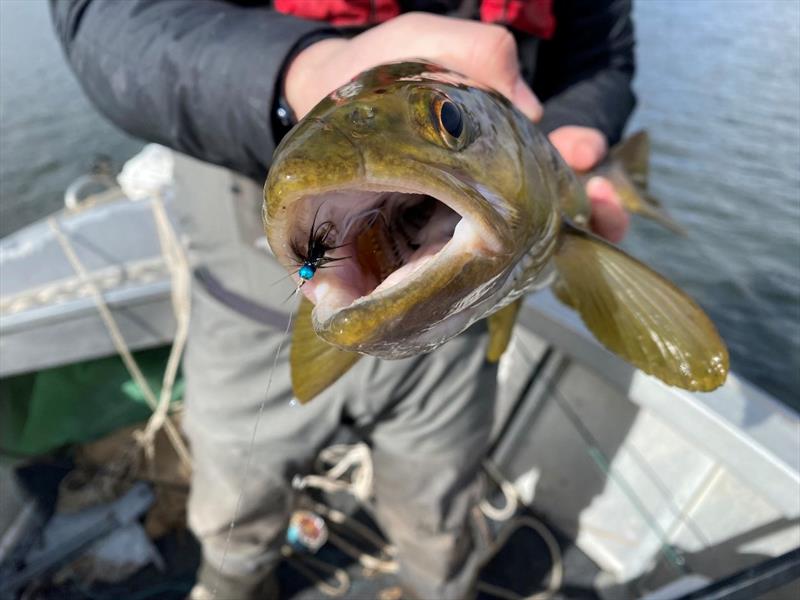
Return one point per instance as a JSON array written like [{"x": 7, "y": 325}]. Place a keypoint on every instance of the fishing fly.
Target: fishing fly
[{"x": 315, "y": 255}]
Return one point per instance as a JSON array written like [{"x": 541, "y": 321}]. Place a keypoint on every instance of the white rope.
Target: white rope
[
  {"x": 509, "y": 493},
  {"x": 512, "y": 501},
  {"x": 178, "y": 265},
  {"x": 72, "y": 288},
  {"x": 342, "y": 458},
  {"x": 119, "y": 341}
]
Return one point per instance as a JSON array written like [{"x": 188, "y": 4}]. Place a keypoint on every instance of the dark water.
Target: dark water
[{"x": 719, "y": 90}]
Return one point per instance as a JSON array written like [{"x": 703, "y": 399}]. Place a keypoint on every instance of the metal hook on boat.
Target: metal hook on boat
[{"x": 90, "y": 188}]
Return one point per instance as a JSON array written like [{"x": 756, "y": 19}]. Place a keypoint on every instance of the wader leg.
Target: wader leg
[
  {"x": 427, "y": 456},
  {"x": 227, "y": 366}
]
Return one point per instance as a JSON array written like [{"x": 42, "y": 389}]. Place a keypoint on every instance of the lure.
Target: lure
[{"x": 314, "y": 256}]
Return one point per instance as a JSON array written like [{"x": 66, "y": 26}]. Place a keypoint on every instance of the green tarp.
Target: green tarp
[{"x": 76, "y": 403}]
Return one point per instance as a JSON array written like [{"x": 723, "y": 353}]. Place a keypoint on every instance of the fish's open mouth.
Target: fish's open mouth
[{"x": 379, "y": 240}]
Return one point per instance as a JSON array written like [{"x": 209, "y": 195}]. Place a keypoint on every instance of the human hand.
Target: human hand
[
  {"x": 582, "y": 148},
  {"x": 485, "y": 53}
]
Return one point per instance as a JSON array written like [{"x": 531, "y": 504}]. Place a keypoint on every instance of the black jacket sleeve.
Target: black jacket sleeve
[
  {"x": 584, "y": 74},
  {"x": 195, "y": 75}
]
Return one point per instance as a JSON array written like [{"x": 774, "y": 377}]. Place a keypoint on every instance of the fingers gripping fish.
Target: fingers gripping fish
[{"x": 439, "y": 204}]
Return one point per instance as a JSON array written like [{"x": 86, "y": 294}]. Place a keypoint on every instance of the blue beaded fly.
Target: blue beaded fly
[{"x": 314, "y": 257}]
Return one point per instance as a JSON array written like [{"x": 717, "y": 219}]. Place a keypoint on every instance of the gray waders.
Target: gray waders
[{"x": 427, "y": 419}]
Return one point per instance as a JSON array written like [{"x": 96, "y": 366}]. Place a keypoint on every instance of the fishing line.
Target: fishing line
[
  {"x": 673, "y": 555},
  {"x": 681, "y": 514},
  {"x": 285, "y": 277},
  {"x": 638, "y": 458},
  {"x": 248, "y": 461},
  {"x": 699, "y": 287},
  {"x": 293, "y": 294}
]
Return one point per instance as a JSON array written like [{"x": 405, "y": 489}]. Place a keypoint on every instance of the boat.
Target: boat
[{"x": 667, "y": 493}]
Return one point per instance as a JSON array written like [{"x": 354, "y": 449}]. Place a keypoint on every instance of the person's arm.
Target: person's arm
[
  {"x": 584, "y": 73},
  {"x": 197, "y": 76},
  {"x": 584, "y": 76}
]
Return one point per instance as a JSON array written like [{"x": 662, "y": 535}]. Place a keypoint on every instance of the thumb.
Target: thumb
[{"x": 609, "y": 218}]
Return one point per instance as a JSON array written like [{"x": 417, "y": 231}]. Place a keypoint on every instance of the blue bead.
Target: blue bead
[
  {"x": 293, "y": 534},
  {"x": 307, "y": 272}
]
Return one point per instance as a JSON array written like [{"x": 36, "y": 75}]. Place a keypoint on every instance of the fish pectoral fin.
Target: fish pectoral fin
[
  {"x": 501, "y": 325},
  {"x": 315, "y": 364},
  {"x": 561, "y": 291},
  {"x": 638, "y": 314}
]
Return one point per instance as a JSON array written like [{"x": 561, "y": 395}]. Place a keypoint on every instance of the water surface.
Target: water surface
[{"x": 719, "y": 90}]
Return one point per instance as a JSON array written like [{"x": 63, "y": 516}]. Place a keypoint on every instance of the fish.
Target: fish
[{"x": 445, "y": 205}]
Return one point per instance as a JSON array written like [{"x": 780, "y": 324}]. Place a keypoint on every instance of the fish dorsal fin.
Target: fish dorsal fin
[
  {"x": 633, "y": 153},
  {"x": 501, "y": 324},
  {"x": 628, "y": 167},
  {"x": 650, "y": 208},
  {"x": 638, "y": 314},
  {"x": 315, "y": 364}
]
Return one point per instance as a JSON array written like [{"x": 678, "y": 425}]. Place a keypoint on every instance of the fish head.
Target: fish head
[{"x": 411, "y": 181}]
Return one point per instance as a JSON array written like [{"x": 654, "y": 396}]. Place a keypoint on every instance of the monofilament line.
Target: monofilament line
[{"x": 249, "y": 458}]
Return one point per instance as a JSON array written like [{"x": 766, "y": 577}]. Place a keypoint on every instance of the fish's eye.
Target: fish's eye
[
  {"x": 450, "y": 118},
  {"x": 443, "y": 118}
]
